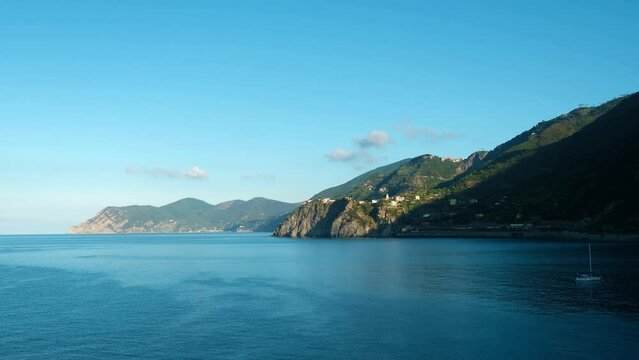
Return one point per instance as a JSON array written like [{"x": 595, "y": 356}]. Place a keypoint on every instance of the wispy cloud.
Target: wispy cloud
[
  {"x": 377, "y": 139},
  {"x": 194, "y": 173},
  {"x": 357, "y": 159},
  {"x": 258, "y": 177},
  {"x": 414, "y": 133},
  {"x": 341, "y": 155}
]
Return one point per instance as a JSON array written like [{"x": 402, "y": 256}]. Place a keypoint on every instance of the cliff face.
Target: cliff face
[
  {"x": 116, "y": 220},
  {"x": 108, "y": 220},
  {"x": 341, "y": 218}
]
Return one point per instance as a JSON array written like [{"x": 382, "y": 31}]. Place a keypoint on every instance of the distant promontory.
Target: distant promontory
[{"x": 189, "y": 215}]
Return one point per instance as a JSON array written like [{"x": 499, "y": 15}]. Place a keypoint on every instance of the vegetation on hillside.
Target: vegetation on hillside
[
  {"x": 579, "y": 171},
  {"x": 258, "y": 214}
]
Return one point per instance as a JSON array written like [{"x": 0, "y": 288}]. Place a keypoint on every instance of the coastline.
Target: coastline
[
  {"x": 566, "y": 235},
  {"x": 531, "y": 234},
  {"x": 486, "y": 234}
]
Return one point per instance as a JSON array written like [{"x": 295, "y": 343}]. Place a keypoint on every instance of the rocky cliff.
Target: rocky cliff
[
  {"x": 109, "y": 220},
  {"x": 317, "y": 218},
  {"x": 117, "y": 220}
]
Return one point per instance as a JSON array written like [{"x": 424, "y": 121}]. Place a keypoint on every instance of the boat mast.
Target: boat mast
[{"x": 590, "y": 258}]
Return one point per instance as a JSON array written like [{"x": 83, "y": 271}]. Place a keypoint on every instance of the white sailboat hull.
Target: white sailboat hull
[{"x": 587, "y": 278}]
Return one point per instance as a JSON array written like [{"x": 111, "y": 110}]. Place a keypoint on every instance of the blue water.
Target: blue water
[{"x": 247, "y": 296}]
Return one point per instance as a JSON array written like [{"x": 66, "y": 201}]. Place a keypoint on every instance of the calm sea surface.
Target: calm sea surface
[{"x": 247, "y": 296}]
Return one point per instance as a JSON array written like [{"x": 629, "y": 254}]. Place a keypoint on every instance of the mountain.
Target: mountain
[
  {"x": 424, "y": 173},
  {"x": 409, "y": 175},
  {"x": 525, "y": 144},
  {"x": 362, "y": 202},
  {"x": 589, "y": 180},
  {"x": 189, "y": 215},
  {"x": 361, "y": 186},
  {"x": 578, "y": 172}
]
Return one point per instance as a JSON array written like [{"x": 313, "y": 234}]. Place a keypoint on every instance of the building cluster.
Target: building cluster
[
  {"x": 452, "y": 159},
  {"x": 394, "y": 201},
  {"x": 323, "y": 201}
]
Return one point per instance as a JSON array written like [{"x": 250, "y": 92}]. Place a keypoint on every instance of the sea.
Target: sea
[{"x": 253, "y": 296}]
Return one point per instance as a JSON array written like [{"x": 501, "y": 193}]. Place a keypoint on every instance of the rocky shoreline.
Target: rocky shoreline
[{"x": 489, "y": 234}]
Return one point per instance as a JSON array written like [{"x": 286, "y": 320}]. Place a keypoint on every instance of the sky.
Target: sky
[{"x": 146, "y": 102}]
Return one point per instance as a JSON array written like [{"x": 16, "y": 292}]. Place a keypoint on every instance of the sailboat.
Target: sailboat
[{"x": 588, "y": 276}]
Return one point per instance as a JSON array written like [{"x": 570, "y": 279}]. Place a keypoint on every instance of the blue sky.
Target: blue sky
[{"x": 146, "y": 102}]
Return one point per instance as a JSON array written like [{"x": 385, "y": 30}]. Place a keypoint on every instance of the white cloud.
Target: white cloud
[
  {"x": 411, "y": 132},
  {"x": 194, "y": 173},
  {"x": 377, "y": 139},
  {"x": 341, "y": 155}
]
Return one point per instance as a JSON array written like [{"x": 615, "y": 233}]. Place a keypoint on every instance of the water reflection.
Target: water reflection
[
  {"x": 531, "y": 276},
  {"x": 252, "y": 296}
]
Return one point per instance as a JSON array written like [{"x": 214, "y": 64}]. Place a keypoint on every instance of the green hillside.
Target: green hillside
[
  {"x": 526, "y": 143},
  {"x": 417, "y": 175},
  {"x": 589, "y": 179},
  {"x": 190, "y": 214},
  {"x": 362, "y": 186},
  {"x": 578, "y": 172},
  {"x": 423, "y": 173}
]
